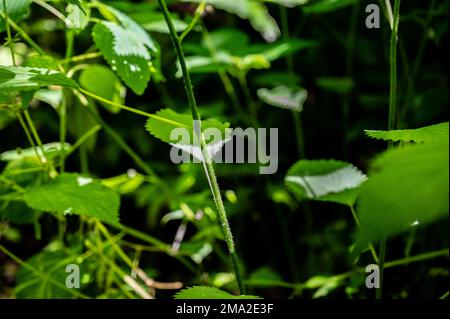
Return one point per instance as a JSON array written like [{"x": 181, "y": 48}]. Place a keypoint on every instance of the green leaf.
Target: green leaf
[
  {"x": 429, "y": 134},
  {"x": 325, "y": 180},
  {"x": 126, "y": 46},
  {"x": 29, "y": 79},
  {"x": 284, "y": 97},
  {"x": 409, "y": 187},
  {"x": 166, "y": 120},
  {"x": 77, "y": 16},
  {"x": 51, "y": 150},
  {"x": 75, "y": 194},
  {"x": 17, "y": 11},
  {"x": 203, "y": 292},
  {"x": 323, "y": 6},
  {"x": 77, "y": 3},
  {"x": 126, "y": 183},
  {"x": 103, "y": 82}
]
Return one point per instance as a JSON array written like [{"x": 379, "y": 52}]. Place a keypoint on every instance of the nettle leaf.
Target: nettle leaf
[
  {"x": 429, "y": 134},
  {"x": 284, "y": 97},
  {"x": 29, "y": 79},
  {"x": 324, "y": 6},
  {"x": 325, "y": 180},
  {"x": 204, "y": 292},
  {"x": 409, "y": 187},
  {"x": 103, "y": 82},
  {"x": 17, "y": 11},
  {"x": 51, "y": 150},
  {"x": 125, "y": 45},
  {"x": 75, "y": 194}
]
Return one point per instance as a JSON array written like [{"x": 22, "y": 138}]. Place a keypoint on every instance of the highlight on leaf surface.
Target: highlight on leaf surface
[
  {"x": 51, "y": 150},
  {"x": 74, "y": 194},
  {"x": 126, "y": 46},
  {"x": 428, "y": 134},
  {"x": 204, "y": 292},
  {"x": 178, "y": 130},
  {"x": 284, "y": 97},
  {"x": 325, "y": 180},
  {"x": 409, "y": 188},
  {"x": 26, "y": 79}
]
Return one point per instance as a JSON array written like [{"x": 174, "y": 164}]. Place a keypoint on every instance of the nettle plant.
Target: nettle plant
[{"x": 406, "y": 188}]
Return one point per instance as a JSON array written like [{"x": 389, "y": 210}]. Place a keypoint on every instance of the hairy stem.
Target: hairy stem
[
  {"x": 209, "y": 169},
  {"x": 392, "y": 117}
]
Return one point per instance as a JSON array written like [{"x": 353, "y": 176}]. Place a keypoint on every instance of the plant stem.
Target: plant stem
[
  {"x": 372, "y": 249},
  {"x": 24, "y": 35},
  {"x": 392, "y": 118},
  {"x": 393, "y": 62},
  {"x": 209, "y": 169},
  {"x": 8, "y": 32},
  {"x": 198, "y": 13}
]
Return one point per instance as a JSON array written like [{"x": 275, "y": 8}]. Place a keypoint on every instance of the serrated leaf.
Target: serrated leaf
[
  {"x": 75, "y": 194},
  {"x": 17, "y": 10},
  {"x": 429, "y": 134},
  {"x": 204, "y": 292},
  {"x": 409, "y": 187},
  {"x": 325, "y": 180},
  {"x": 29, "y": 79},
  {"x": 126, "y": 48},
  {"x": 284, "y": 97},
  {"x": 103, "y": 82}
]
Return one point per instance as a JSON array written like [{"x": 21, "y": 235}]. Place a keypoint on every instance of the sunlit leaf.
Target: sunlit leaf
[
  {"x": 126, "y": 47},
  {"x": 203, "y": 292},
  {"x": 51, "y": 150},
  {"x": 409, "y": 187},
  {"x": 428, "y": 134},
  {"x": 26, "y": 79},
  {"x": 325, "y": 180},
  {"x": 75, "y": 194}
]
